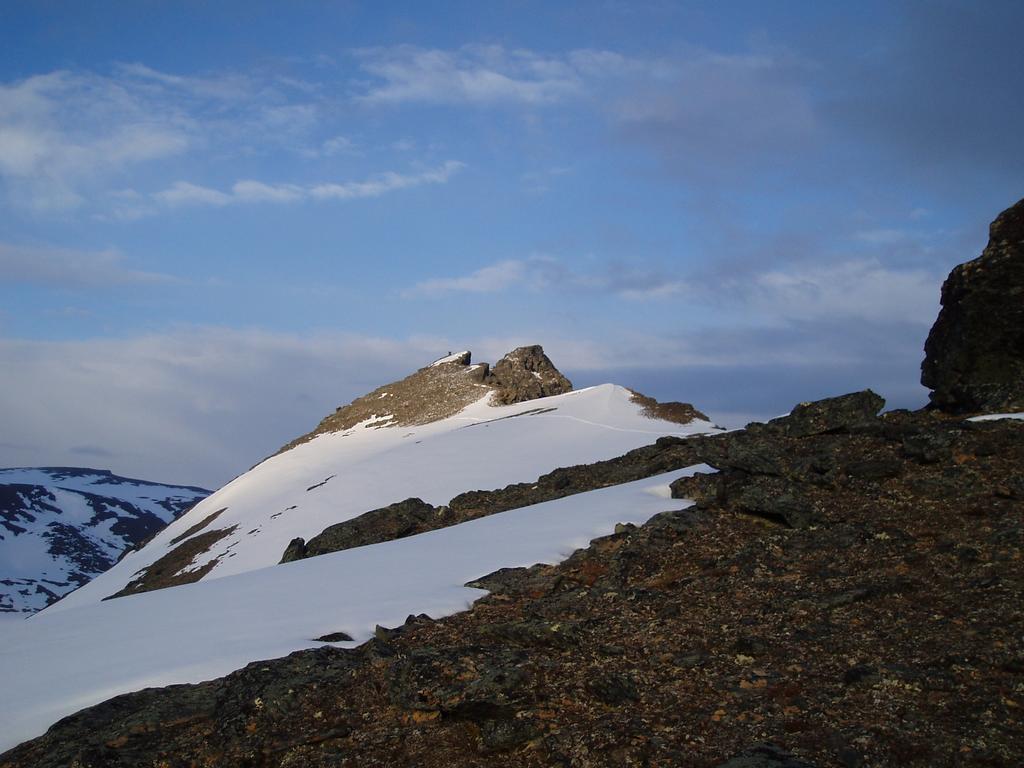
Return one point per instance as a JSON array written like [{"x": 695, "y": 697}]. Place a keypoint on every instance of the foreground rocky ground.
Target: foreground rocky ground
[{"x": 849, "y": 589}]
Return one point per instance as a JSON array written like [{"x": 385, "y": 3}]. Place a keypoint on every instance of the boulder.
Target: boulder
[
  {"x": 974, "y": 355},
  {"x": 833, "y": 414}
]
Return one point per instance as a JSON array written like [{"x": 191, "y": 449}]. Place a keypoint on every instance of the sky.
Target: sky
[{"x": 218, "y": 222}]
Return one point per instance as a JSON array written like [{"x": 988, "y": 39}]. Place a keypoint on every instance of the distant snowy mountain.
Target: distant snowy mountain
[
  {"x": 210, "y": 593},
  {"x": 61, "y": 526}
]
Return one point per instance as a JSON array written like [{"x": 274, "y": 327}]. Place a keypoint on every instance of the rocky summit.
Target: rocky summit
[
  {"x": 974, "y": 355},
  {"x": 445, "y": 387}
]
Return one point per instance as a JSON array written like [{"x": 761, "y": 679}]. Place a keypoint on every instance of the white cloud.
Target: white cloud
[
  {"x": 184, "y": 193},
  {"x": 489, "y": 279},
  {"x": 70, "y": 267},
  {"x": 660, "y": 290},
  {"x": 63, "y": 130},
  {"x": 383, "y": 183},
  {"x": 257, "y": 192},
  {"x": 473, "y": 74},
  {"x": 66, "y": 133},
  {"x": 540, "y": 272},
  {"x": 854, "y": 290},
  {"x": 249, "y": 191}
]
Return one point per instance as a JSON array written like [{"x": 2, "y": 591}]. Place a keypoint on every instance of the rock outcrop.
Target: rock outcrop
[
  {"x": 524, "y": 374},
  {"x": 974, "y": 355}
]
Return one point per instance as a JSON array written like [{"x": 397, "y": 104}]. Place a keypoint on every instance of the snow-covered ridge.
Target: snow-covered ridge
[
  {"x": 337, "y": 476},
  {"x": 61, "y": 526}
]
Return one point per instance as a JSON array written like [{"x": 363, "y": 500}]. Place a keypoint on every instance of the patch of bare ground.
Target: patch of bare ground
[
  {"x": 169, "y": 570},
  {"x": 679, "y": 413},
  {"x": 431, "y": 393},
  {"x": 198, "y": 526}
]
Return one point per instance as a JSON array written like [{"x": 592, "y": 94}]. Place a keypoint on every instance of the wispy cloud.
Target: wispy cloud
[
  {"x": 706, "y": 112},
  {"x": 71, "y": 268},
  {"x": 62, "y": 130},
  {"x": 859, "y": 289},
  {"x": 490, "y": 279},
  {"x": 540, "y": 272},
  {"x": 473, "y": 74},
  {"x": 65, "y": 133},
  {"x": 385, "y": 182},
  {"x": 184, "y": 193},
  {"x": 863, "y": 289}
]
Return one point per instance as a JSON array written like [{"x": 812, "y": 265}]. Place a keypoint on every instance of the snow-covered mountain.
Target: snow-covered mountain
[
  {"x": 61, "y": 526},
  {"x": 209, "y": 593}
]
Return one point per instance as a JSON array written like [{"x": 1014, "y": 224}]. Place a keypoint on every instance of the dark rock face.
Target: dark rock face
[
  {"x": 394, "y": 521},
  {"x": 526, "y": 373},
  {"x": 974, "y": 355}
]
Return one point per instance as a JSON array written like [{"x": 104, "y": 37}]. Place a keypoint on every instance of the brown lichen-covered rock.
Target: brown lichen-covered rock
[
  {"x": 974, "y": 355},
  {"x": 526, "y": 373}
]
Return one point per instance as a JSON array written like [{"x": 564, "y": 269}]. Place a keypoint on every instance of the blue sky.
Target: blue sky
[{"x": 220, "y": 222}]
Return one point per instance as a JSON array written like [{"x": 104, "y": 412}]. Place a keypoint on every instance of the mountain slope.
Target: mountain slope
[
  {"x": 385, "y": 457},
  {"x": 198, "y": 631},
  {"x": 61, "y": 526},
  {"x": 207, "y": 594}
]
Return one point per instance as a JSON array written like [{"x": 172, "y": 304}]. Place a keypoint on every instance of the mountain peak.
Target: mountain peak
[{"x": 444, "y": 388}]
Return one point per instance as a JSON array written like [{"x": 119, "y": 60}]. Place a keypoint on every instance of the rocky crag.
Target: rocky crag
[
  {"x": 974, "y": 355},
  {"x": 846, "y": 591}
]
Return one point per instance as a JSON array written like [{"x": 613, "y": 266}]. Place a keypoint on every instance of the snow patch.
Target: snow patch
[
  {"x": 449, "y": 358},
  {"x": 997, "y": 416}
]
